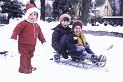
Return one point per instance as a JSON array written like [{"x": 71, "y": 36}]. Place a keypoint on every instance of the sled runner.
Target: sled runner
[{"x": 85, "y": 64}]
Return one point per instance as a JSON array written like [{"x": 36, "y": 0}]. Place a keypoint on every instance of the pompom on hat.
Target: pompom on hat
[
  {"x": 63, "y": 16},
  {"x": 77, "y": 23}
]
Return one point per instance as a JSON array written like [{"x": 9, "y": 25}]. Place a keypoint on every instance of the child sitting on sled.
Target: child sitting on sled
[
  {"x": 77, "y": 45},
  {"x": 58, "y": 32}
]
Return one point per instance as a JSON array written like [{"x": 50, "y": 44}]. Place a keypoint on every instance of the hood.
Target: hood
[
  {"x": 63, "y": 16},
  {"x": 31, "y": 10}
]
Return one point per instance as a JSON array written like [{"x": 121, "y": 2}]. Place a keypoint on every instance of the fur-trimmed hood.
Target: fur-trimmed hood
[
  {"x": 31, "y": 10},
  {"x": 63, "y": 16}
]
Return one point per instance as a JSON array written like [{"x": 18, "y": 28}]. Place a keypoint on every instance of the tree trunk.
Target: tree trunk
[
  {"x": 85, "y": 11},
  {"x": 121, "y": 7},
  {"x": 42, "y": 10}
]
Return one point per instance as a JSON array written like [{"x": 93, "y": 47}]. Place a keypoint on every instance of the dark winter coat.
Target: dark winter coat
[{"x": 59, "y": 31}]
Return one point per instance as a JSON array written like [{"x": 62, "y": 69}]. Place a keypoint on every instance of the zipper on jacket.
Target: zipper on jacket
[{"x": 34, "y": 31}]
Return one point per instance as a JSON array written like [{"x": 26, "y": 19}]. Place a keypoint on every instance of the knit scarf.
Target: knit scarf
[{"x": 81, "y": 39}]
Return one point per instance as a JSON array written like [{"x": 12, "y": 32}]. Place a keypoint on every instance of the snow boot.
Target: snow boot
[
  {"x": 102, "y": 58},
  {"x": 94, "y": 59},
  {"x": 57, "y": 57}
]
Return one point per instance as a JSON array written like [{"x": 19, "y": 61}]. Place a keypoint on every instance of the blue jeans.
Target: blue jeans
[{"x": 63, "y": 42}]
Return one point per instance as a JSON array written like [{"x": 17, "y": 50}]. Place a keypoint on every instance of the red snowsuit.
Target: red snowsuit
[{"x": 27, "y": 36}]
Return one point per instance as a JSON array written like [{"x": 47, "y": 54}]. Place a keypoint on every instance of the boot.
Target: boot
[
  {"x": 94, "y": 59},
  {"x": 57, "y": 56},
  {"x": 102, "y": 58}
]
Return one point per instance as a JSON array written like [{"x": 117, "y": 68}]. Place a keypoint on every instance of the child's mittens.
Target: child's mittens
[{"x": 80, "y": 48}]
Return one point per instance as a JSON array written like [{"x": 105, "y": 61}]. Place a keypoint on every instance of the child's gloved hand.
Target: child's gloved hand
[
  {"x": 44, "y": 43},
  {"x": 80, "y": 48}
]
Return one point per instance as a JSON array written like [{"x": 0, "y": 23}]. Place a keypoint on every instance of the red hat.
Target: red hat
[
  {"x": 28, "y": 6},
  {"x": 77, "y": 23}
]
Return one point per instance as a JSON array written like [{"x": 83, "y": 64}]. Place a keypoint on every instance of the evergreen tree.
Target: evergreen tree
[
  {"x": 61, "y": 7},
  {"x": 13, "y": 8},
  {"x": 99, "y": 2},
  {"x": 56, "y": 10},
  {"x": 32, "y": 2}
]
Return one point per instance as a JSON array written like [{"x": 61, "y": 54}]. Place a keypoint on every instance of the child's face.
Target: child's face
[
  {"x": 65, "y": 23},
  {"x": 33, "y": 17},
  {"x": 77, "y": 30}
]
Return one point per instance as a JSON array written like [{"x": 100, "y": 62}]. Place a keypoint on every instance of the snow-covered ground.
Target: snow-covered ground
[{"x": 49, "y": 71}]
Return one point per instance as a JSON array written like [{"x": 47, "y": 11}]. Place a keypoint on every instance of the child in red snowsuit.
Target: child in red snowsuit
[{"x": 27, "y": 32}]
